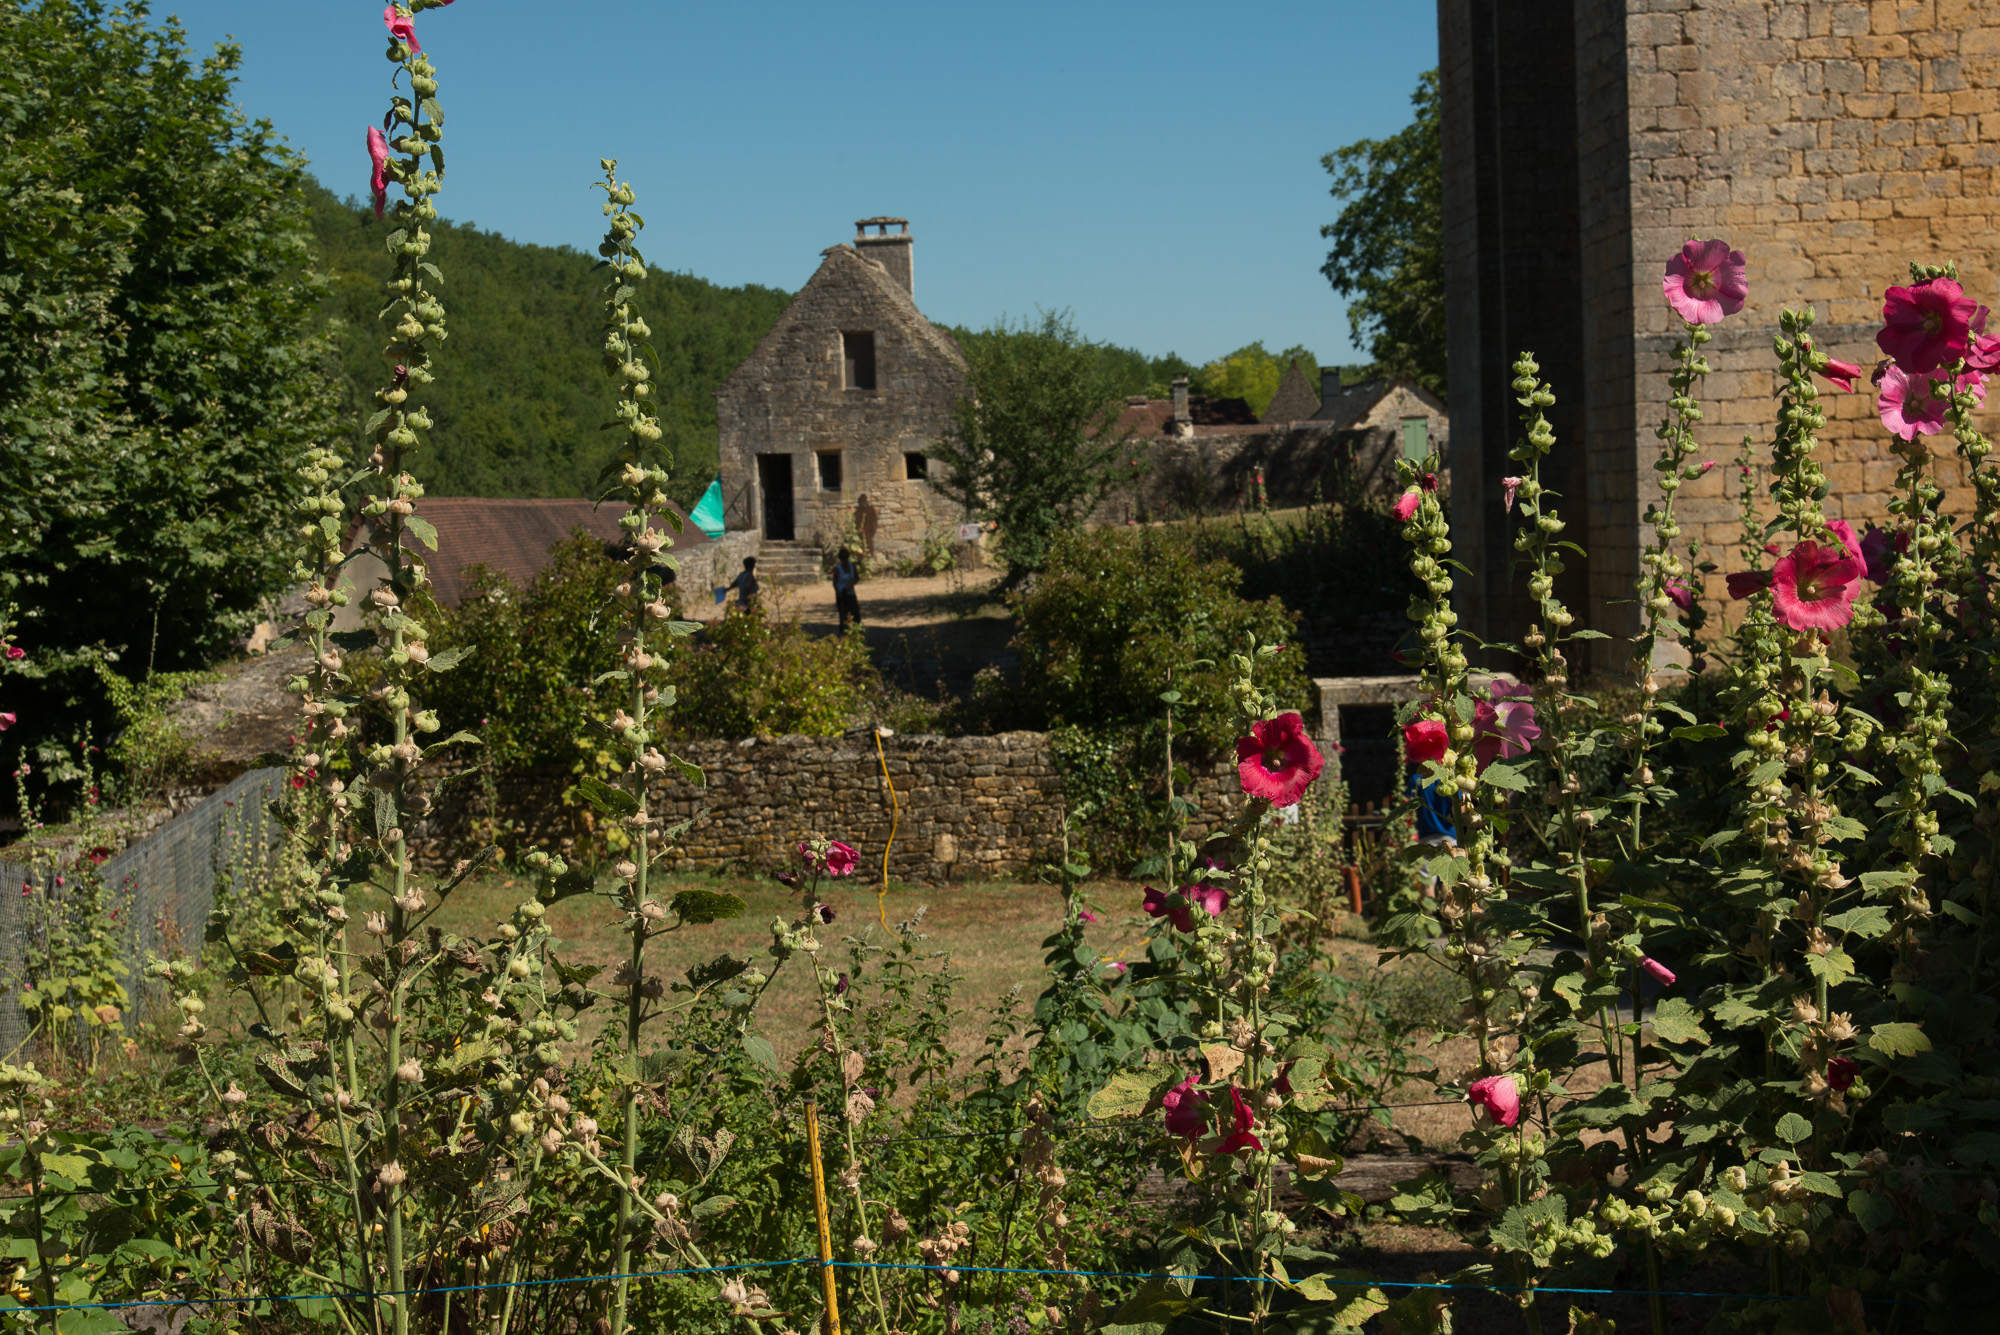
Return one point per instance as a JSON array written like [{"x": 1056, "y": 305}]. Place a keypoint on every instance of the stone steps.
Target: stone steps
[{"x": 788, "y": 563}]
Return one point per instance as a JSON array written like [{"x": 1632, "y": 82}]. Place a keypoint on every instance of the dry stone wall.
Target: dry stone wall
[{"x": 970, "y": 806}]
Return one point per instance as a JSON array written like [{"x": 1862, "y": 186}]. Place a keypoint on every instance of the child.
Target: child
[
  {"x": 845, "y": 577},
  {"x": 745, "y": 585}
]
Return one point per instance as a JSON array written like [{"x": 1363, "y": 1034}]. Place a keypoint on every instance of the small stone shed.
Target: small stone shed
[{"x": 835, "y": 415}]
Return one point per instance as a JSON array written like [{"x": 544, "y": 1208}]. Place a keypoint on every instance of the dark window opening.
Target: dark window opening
[
  {"x": 915, "y": 466},
  {"x": 858, "y": 350},
  {"x": 829, "y": 470}
]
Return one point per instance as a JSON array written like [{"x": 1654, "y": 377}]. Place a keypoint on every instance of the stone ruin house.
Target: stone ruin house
[
  {"x": 831, "y": 420},
  {"x": 1584, "y": 141},
  {"x": 1194, "y": 455}
]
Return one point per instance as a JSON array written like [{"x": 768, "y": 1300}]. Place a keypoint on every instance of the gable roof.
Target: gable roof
[
  {"x": 845, "y": 264},
  {"x": 1296, "y": 399},
  {"x": 1154, "y": 417},
  {"x": 1355, "y": 402},
  {"x": 514, "y": 536}
]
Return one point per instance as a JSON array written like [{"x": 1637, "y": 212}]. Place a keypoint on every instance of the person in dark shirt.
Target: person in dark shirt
[
  {"x": 745, "y": 585},
  {"x": 845, "y": 576}
]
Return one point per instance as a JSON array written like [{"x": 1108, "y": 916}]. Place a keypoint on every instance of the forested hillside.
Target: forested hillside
[{"x": 521, "y": 392}]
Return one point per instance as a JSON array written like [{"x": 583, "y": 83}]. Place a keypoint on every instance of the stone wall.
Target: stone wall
[
  {"x": 971, "y": 806},
  {"x": 790, "y": 398},
  {"x": 1830, "y": 142}
]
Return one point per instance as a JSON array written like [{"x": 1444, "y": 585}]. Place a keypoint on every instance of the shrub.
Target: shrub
[{"x": 751, "y": 674}]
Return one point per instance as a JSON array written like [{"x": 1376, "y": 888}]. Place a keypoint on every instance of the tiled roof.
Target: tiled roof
[
  {"x": 514, "y": 536},
  {"x": 1296, "y": 399},
  {"x": 1154, "y": 417}
]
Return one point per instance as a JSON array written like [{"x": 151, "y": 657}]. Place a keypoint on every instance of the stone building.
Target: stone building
[
  {"x": 1585, "y": 140},
  {"x": 832, "y": 419},
  {"x": 1193, "y": 455}
]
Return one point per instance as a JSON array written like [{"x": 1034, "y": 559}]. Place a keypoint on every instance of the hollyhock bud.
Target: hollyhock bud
[{"x": 1661, "y": 972}]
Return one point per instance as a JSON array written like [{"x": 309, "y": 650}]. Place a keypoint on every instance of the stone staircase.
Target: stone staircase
[{"x": 787, "y": 562}]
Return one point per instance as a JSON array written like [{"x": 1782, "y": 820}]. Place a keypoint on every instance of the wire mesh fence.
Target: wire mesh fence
[{"x": 163, "y": 887}]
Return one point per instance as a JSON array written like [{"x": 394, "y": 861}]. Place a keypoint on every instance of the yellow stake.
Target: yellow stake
[
  {"x": 831, "y": 1326},
  {"x": 895, "y": 819}
]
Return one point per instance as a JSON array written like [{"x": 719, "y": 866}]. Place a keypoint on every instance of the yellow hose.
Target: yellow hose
[{"x": 895, "y": 820}]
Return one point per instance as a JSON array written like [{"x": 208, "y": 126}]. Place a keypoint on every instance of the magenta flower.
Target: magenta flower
[
  {"x": 1843, "y": 530},
  {"x": 1879, "y": 550},
  {"x": 1743, "y": 583},
  {"x": 1505, "y": 724},
  {"x": 6, "y": 722},
  {"x": 1406, "y": 505},
  {"x": 1498, "y": 1097},
  {"x": 1179, "y": 908},
  {"x": 1278, "y": 762},
  {"x": 400, "y": 28},
  {"x": 1843, "y": 374},
  {"x": 1508, "y": 486},
  {"x": 1658, "y": 970},
  {"x": 1426, "y": 739},
  {"x": 1682, "y": 595},
  {"x": 1926, "y": 325},
  {"x": 1705, "y": 282},
  {"x": 1813, "y": 586},
  {"x": 1241, "y": 1119},
  {"x": 378, "y": 180},
  {"x": 1087, "y": 916},
  {"x": 1706, "y": 465},
  {"x": 1840, "y": 1074},
  {"x": 15, "y": 652},
  {"x": 1183, "y": 1105},
  {"x": 1906, "y": 406},
  {"x": 841, "y": 860}
]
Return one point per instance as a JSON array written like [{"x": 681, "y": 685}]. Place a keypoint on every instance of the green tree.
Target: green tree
[
  {"x": 1388, "y": 243},
  {"x": 159, "y": 362},
  {"x": 1252, "y": 374},
  {"x": 1032, "y": 442}
]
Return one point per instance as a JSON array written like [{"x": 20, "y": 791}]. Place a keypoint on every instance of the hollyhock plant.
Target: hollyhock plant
[
  {"x": 1426, "y": 739},
  {"x": 1278, "y": 762},
  {"x": 1183, "y": 1107},
  {"x": 1926, "y": 325},
  {"x": 1505, "y": 723},
  {"x": 378, "y": 181},
  {"x": 1813, "y": 587},
  {"x": 1843, "y": 374},
  {"x": 6, "y": 722},
  {"x": 1406, "y": 505},
  {"x": 1241, "y": 1120},
  {"x": 401, "y": 28},
  {"x": 1212, "y": 900},
  {"x": 1682, "y": 595},
  {"x": 1743, "y": 583},
  {"x": 1906, "y": 406},
  {"x": 841, "y": 860},
  {"x": 1660, "y": 972},
  {"x": 1705, "y": 282},
  {"x": 1840, "y": 1074},
  {"x": 1879, "y": 550},
  {"x": 1508, "y": 486},
  {"x": 1498, "y": 1097},
  {"x": 1843, "y": 530}
]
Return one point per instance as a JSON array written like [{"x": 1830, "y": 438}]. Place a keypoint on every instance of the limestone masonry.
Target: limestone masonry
[{"x": 1586, "y": 140}]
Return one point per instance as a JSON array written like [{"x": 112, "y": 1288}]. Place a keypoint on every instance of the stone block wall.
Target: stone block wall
[
  {"x": 970, "y": 806},
  {"x": 1830, "y": 142}
]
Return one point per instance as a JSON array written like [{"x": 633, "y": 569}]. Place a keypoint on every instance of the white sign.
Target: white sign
[{"x": 970, "y": 532}]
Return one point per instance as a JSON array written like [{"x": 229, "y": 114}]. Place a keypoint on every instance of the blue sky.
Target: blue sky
[{"x": 1153, "y": 168}]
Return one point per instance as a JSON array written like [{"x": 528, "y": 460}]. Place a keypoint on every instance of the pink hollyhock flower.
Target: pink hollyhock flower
[
  {"x": 1278, "y": 762},
  {"x": 1705, "y": 282},
  {"x": 1178, "y": 909},
  {"x": 1743, "y": 583},
  {"x": 1926, "y": 325},
  {"x": 1706, "y": 465},
  {"x": 401, "y": 28},
  {"x": 1498, "y": 1097},
  {"x": 1813, "y": 586},
  {"x": 1878, "y": 552},
  {"x": 15, "y": 652},
  {"x": 1406, "y": 506},
  {"x": 1426, "y": 739},
  {"x": 1843, "y": 530},
  {"x": 840, "y": 859},
  {"x": 1843, "y": 374},
  {"x": 1241, "y": 1119},
  {"x": 1840, "y": 1073},
  {"x": 1682, "y": 595},
  {"x": 1087, "y": 916},
  {"x": 1906, "y": 407},
  {"x": 6, "y": 721},
  {"x": 1508, "y": 486},
  {"x": 1504, "y": 725},
  {"x": 378, "y": 180},
  {"x": 1183, "y": 1106},
  {"x": 1658, "y": 970}
]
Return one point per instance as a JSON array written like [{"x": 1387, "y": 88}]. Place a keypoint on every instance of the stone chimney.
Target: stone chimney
[
  {"x": 1183, "y": 420},
  {"x": 889, "y": 249},
  {"x": 1329, "y": 384}
]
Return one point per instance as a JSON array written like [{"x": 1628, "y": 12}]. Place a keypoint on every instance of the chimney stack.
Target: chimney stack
[
  {"x": 1329, "y": 384},
  {"x": 1183, "y": 422},
  {"x": 890, "y": 250}
]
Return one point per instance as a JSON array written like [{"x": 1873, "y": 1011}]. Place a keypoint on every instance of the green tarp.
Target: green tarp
[{"x": 707, "y": 513}]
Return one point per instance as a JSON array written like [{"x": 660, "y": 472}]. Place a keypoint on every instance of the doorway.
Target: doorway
[{"x": 774, "y": 480}]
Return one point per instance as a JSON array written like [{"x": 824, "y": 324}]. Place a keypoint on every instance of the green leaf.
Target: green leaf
[
  {"x": 1866, "y": 922},
  {"x": 1899, "y": 1039},
  {"x": 759, "y": 1050},
  {"x": 1523, "y": 1225},
  {"x": 689, "y": 771},
  {"x": 1793, "y": 1128},
  {"x": 1873, "y": 1212},
  {"x": 1161, "y": 1298},
  {"x": 425, "y": 530},
  {"x": 1674, "y": 1021},
  {"x": 1884, "y": 880},
  {"x": 607, "y": 799},
  {"x": 1129, "y": 1093},
  {"x": 718, "y": 970},
  {"x": 431, "y": 111},
  {"x": 449, "y": 659},
  {"x": 1766, "y": 772},
  {"x": 683, "y": 627},
  {"x": 711, "y": 1205},
  {"x": 1699, "y": 732},
  {"x": 385, "y": 813},
  {"x": 1506, "y": 774},
  {"x": 705, "y": 906},
  {"x": 1836, "y": 966}
]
